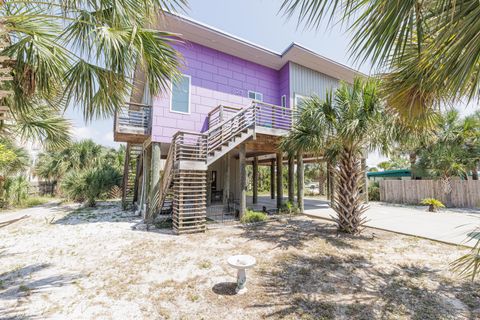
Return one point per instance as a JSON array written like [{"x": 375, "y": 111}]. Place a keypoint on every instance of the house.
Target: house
[{"x": 189, "y": 147}]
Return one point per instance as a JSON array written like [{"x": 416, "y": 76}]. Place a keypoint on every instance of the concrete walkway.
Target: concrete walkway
[{"x": 450, "y": 226}]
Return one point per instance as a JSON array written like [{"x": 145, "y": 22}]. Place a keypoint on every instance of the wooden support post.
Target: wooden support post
[
  {"x": 255, "y": 180},
  {"x": 155, "y": 178},
  {"x": 291, "y": 179},
  {"x": 279, "y": 180},
  {"x": 300, "y": 182},
  {"x": 272, "y": 179},
  {"x": 226, "y": 178},
  {"x": 126, "y": 166},
  {"x": 243, "y": 180},
  {"x": 138, "y": 181},
  {"x": 147, "y": 154}
]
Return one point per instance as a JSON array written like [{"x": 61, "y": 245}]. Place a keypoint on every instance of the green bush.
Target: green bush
[
  {"x": 374, "y": 191},
  {"x": 91, "y": 184},
  {"x": 289, "y": 208},
  {"x": 16, "y": 190},
  {"x": 253, "y": 216},
  {"x": 433, "y": 204}
]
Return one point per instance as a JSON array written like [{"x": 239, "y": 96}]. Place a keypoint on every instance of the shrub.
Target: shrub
[
  {"x": 289, "y": 208},
  {"x": 16, "y": 190},
  {"x": 91, "y": 184},
  {"x": 253, "y": 216},
  {"x": 433, "y": 204},
  {"x": 73, "y": 186},
  {"x": 374, "y": 191}
]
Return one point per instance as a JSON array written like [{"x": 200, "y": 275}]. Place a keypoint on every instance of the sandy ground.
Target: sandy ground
[{"x": 62, "y": 263}]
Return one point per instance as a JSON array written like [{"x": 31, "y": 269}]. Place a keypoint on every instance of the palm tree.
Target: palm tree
[
  {"x": 84, "y": 53},
  {"x": 453, "y": 150},
  {"x": 77, "y": 157},
  {"x": 43, "y": 124},
  {"x": 428, "y": 49},
  {"x": 342, "y": 129},
  {"x": 471, "y": 136},
  {"x": 13, "y": 160}
]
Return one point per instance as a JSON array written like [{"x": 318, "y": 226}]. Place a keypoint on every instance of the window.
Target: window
[
  {"x": 255, "y": 95},
  {"x": 180, "y": 98},
  {"x": 299, "y": 101},
  {"x": 284, "y": 101}
]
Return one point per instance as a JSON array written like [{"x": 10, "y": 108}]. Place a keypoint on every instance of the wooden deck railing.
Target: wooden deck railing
[
  {"x": 221, "y": 113},
  {"x": 196, "y": 146},
  {"x": 272, "y": 116},
  {"x": 133, "y": 119},
  {"x": 190, "y": 146}
]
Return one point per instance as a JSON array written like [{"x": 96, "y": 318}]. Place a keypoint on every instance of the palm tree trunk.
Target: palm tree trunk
[
  {"x": 347, "y": 198},
  {"x": 413, "y": 160},
  {"x": 475, "y": 172}
]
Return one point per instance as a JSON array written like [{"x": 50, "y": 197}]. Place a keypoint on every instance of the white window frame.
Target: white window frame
[
  {"x": 255, "y": 92},
  {"x": 189, "y": 96},
  {"x": 283, "y": 101},
  {"x": 296, "y": 96}
]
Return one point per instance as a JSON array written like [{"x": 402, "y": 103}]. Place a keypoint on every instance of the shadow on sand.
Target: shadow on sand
[{"x": 18, "y": 285}]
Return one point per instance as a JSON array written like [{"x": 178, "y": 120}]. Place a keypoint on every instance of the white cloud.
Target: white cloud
[
  {"x": 375, "y": 158},
  {"x": 101, "y": 135},
  {"x": 80, "y": 133}
]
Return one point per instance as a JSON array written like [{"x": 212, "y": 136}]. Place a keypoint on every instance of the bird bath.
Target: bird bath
[{"x": 241, "y": 263}]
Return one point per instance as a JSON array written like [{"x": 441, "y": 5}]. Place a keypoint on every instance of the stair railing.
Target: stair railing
[
  {"x": 162, "y": 186},
  {"x": 194, "y": 146}
]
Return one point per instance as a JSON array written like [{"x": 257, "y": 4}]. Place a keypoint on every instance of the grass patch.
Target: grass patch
[
  {"x": 205, "y": 264},
  {"x": 194, "y": 297},
  {"x": 36, "y": 201},
  {"x": 253, "y": 216}
]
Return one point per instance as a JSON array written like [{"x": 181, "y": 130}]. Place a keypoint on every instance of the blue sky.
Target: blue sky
[
  {"x": 257, "y": 21},
  {"x": 254, "y": 20}
]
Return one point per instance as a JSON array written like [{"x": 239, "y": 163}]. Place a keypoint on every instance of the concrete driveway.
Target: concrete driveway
[{"x": 449, "y": 226}]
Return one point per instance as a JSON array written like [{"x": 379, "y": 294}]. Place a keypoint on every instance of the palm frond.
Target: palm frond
[
  {"x": 84, "y": 53},
  {"x": 43, "y": 124}
]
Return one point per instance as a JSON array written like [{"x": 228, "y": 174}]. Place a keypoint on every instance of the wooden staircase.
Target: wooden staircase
[
  {"x": 130, "y": 173},
  {"x": 190, "y": 154}
]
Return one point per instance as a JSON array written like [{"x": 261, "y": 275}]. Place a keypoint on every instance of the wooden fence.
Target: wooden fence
[{"x": 465, "y": 194}]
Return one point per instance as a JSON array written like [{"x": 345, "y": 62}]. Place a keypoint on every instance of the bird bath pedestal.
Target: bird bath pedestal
[{"x": 241, "y": 263}]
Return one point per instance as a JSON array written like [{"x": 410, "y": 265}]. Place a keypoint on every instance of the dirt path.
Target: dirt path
[{"x": 62, "y": 263}]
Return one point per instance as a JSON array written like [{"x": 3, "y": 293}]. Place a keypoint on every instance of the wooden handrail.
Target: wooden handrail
[{"x": 224, "y": 106}]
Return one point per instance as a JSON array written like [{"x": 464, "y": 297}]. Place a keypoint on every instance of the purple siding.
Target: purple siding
[
  {"x": 216, "y": 78},
  {"x": 284, "y": 85}
]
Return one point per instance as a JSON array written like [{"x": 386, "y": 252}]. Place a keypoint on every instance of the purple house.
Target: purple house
[{"x": 188, "y": 148}]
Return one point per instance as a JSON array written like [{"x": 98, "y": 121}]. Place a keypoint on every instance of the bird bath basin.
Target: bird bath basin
[{"x": 241, "y": 263}]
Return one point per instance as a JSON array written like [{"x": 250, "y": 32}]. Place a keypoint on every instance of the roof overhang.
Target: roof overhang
[{"x": 193, "y": 31}]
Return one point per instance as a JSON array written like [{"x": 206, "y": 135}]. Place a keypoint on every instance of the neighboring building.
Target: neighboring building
[
  {"x": 400, "y": 174},
  {"x": 231, "y": 106}
]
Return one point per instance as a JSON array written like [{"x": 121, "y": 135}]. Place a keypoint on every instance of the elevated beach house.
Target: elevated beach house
[{"x": 187, "y": 149}]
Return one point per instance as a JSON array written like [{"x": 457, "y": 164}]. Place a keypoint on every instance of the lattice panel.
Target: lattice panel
[{"x": 189, "y": 201}]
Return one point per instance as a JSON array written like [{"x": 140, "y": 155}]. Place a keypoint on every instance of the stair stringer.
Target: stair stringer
[{"x": 230, "y": 146}]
